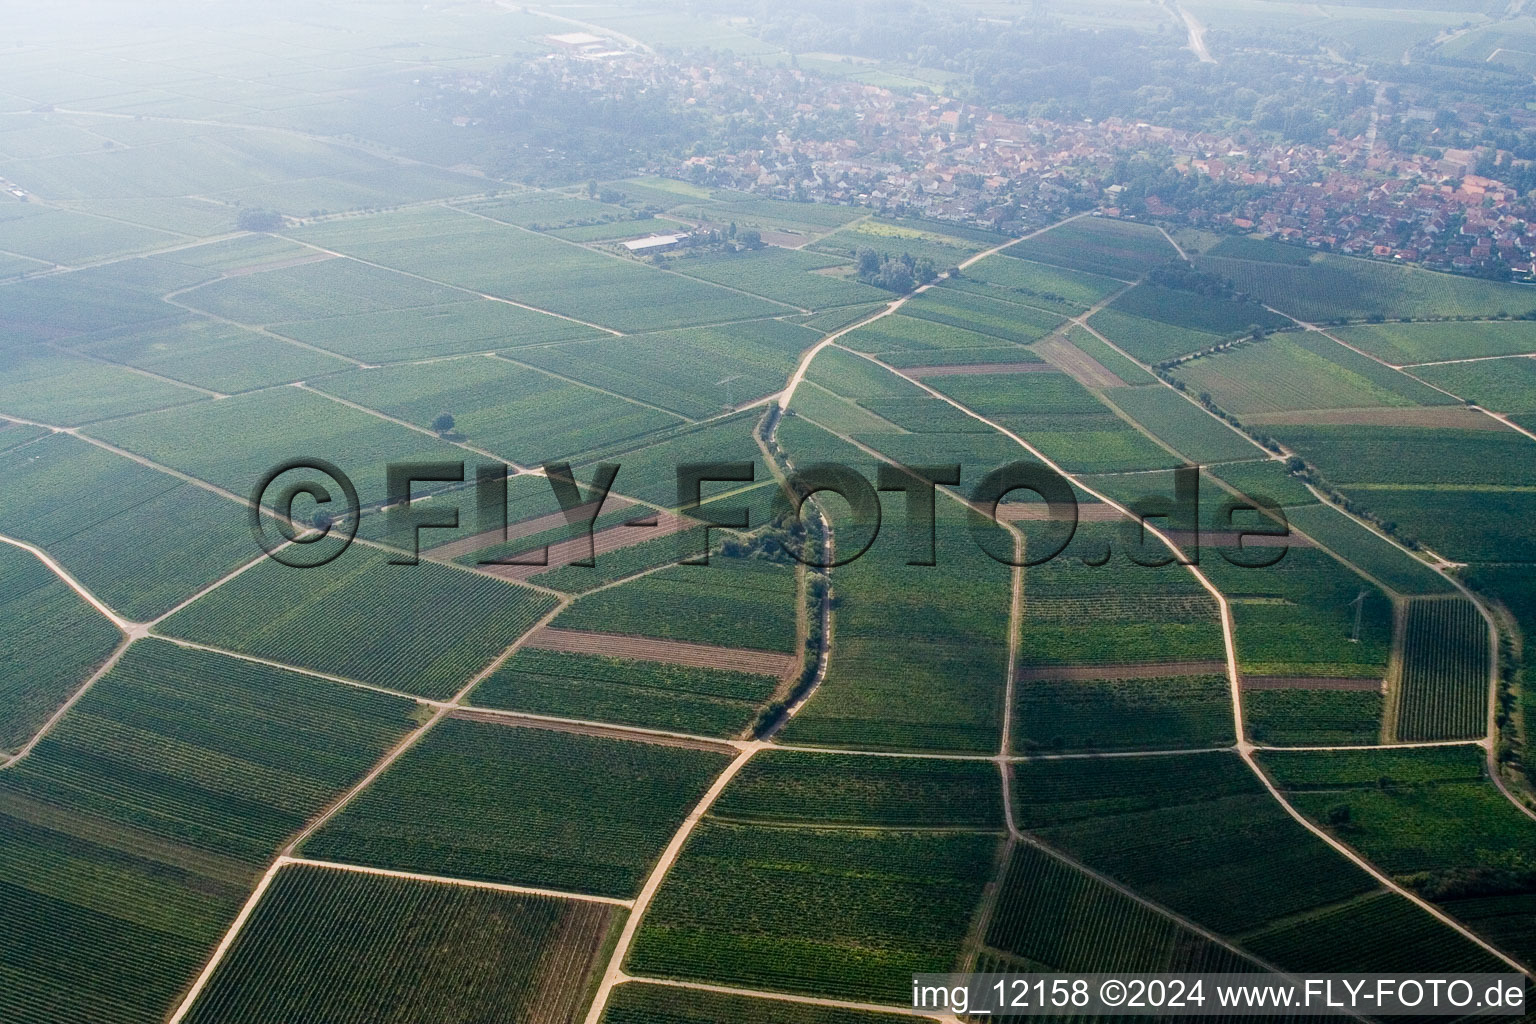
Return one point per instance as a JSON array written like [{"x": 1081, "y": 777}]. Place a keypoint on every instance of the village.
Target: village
[{"x": 919, "y": 152}]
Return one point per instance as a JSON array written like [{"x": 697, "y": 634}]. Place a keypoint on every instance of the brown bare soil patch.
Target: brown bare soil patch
[
  {"x": 1140, "y": 670},
  {"x": 1454, "y": 416},
  {"x": 1089, "y": 371},
  {"x": 671, "y": 652},
  {"x": 515, "y": 531},
  {"x": 975, "y": 369},
  {"x": 1305, "y": 683},
  {"x": 664, "y": 524},
  {"x": 1094, "y": 512},
  {"x": 586, "y": 729}
]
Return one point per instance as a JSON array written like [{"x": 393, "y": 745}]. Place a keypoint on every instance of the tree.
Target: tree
[
  {"x": 444, "y": 422},
  {"x": 751, "y": 238},
  {"x": 257, "y": 219}
]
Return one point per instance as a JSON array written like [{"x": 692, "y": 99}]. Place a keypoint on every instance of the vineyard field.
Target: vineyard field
[
  {"x": 922, "y": 239},
  {"x": 678, "y": 370},
  {"x": 1503, "y": 385},
  {"x": 1055, "y": 916},
  {"x": 795, "y": 277},
  {"x": 1414, "y": 455},
  {"x": 1044, "y": 285},
  {"x": 1292, "y": 373},
  {"x": 348, "y": 948},
  {"x": 638, "y": 1003},
  {"x": 1307, "y": 717},
  {"x": 732, "y": 602},
  {"x": 931, "y": 341},
  {"x": 1373, "y": 554},
  {"x": 66, "y": 390},
  {"x": 425, "y": 628},
  {"x": 1466, "y": 524},
  {"x": 537, "y": 270},
  {"x": 52, "y": 641},
  {"x": 921, "y": 656},
  {"x": 1182, "y": 425},
  {"x": 855, "y": 912},
  {"x": 1108, "y": 357},
  {"x": 964, "y": 309},
  {"x": 232, "y": 443},
  {"x": 1226, "y": 855},
  {"x": 199, "y": 750},
  {"x": 521, "y": 414},
  {"x": 1122, "y": 714},
  {"x": 1403, "y": 344},
  {"x": 1137, "y": 612},
  {"x": 653, "y": 695},
  {"x": 333, "y": 287},
  {"x": 1196, "y": 312},
  {"x": 855, "y": 789},
  {"x": 466, "y": 325},
  {"x": 1444, "y": 690},
  {"x": 1151, "y": 341},
  {"x": 1333, "y": 287},
  {"x": 1298, "y": 617},
  {"x": 530, "y": 806},
  {"x": 1267, "y": 479},
  {"x": 1114, "y": 248},
  {"x": 209, "y": 354},
  {"x": 104, "y": 518}
]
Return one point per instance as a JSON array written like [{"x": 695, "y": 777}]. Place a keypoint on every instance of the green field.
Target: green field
[
  {"x": 918, "y": 342},
  {"x": 1431, "y": 819},
  {"x": 52, "y": 641},
  {"x": 1182, "y": 425},
  {"x": 1444, "y": 690},
  {"x": 425, "y": 332},
  {"x": 1142, "y": 614},
  {"x": 1293, "y": 372},
  {"x": 1052, "y": 916},
  {"x": 518, "y": 413},
  {"x": 1298, "y": 617},
  {"x": 1193, "y": 311},
  {"x": 683, "y": 371},
  {"x": 1426, "y": 342},
  {"x": 1333, "y": 287},
  {"x": 1366, "y": 550},
  {"x": 539, "y": 271},
  {"x": 637, "y": 1003},
  {"x": 1134, "y": 714},
  {"x": 1502, "y": 385},
  {"x": 65, "y": 390},
  {"x": 213, "y": 355},
  {"x": 531, "y": 807},
  {"x": 1197, "y": 833},
  {"x": 136, "y": 829},
  {"x": 104, "y": 518},
  {"x": 1042, "y": 285},
  {"x": 1114, "y": 248},
  {"x": 1151, "y": 341},
  {"x": 983, "y": 314},
  {"x": 1264, "y": 479},
  {"x": 1108, "y": 357},
  {"x": 805, "y": 279},
  {"x": 443, "y": 624},
  {"x": 924, "y": 240},
  {"x": 854, "y": 912},
  {"x": 1414, "y": 455},
  {"x": 921, "y": 656},
  {"x": 653, "y": 695},
  {"x": 1465, "y": 524},
  {"x": 732, "y": 602},
  {"x": 360, "y": 949},
  {"x": 1306, "y": 716},
  {"x": 232, "y": 443},
  {"x": 857, "y": 789}
]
